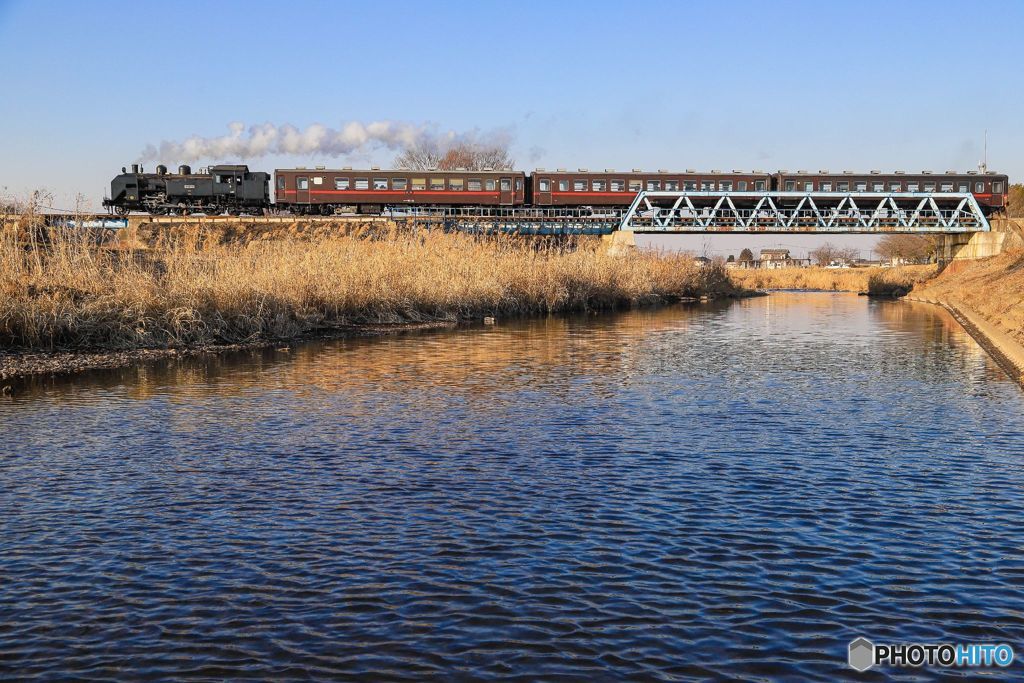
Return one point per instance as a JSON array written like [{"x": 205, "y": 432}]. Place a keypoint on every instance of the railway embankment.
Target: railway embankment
[{"x": 68, "y": 303}]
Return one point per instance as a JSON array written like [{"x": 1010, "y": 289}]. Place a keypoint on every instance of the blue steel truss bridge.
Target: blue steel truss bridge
[{"x": 744, "y": 212}]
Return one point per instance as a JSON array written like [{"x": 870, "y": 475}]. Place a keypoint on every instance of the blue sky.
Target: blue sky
[{"x": 864, "y": 85}]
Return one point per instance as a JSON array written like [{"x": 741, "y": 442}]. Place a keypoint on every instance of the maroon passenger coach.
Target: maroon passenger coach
[
  {"x": 327, "y": 191},
  {"x": 611, "y": 188},
  {"x": 989, "y": 188}
]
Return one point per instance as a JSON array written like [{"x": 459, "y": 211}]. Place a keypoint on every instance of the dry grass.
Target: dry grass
[
  {"x": 993, "y": 288},
  {"x": 872, "y": 280},
  {"x": 196, "y": 290}
]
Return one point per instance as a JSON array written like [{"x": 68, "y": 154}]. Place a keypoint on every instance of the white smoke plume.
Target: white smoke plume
[{"x": 243, "y": 143}]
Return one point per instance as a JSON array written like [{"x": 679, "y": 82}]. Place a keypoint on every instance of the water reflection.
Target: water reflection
[
  {"x": 599, "y": 497},
  {"x": 485, "y": 359}
]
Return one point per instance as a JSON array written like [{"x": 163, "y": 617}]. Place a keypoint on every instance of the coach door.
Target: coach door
[
  {"x": 506, "y": 197},
  {"x": 302, "y": 189}
]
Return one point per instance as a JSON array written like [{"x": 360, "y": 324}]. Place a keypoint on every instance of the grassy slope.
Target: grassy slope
[{"x": 993, "y": 288}]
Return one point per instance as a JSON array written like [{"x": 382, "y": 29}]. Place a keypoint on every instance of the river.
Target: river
[{"x": 731, "y": 490}]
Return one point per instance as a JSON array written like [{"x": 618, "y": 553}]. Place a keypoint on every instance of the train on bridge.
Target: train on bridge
[{"x": 234, "y": 189}]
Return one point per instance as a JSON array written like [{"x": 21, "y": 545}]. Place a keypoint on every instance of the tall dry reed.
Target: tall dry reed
[
  {"x": 872, "y": 280},
  {"x": 193, "y": 290}
]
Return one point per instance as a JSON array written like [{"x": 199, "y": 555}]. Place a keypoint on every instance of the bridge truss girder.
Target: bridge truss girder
[{"x": 826, "y": 212}]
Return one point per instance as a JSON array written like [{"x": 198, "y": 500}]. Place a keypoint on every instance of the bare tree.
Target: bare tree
[
  {"x": 1015, "y": 202},
  {"x": 897, "y": 248},
  {"x": 829, "y": 253},
  {"x": 467, "y": 155},
  {"x": 419, "y": 157}
]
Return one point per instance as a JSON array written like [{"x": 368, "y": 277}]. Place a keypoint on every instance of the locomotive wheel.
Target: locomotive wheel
[{"x": 122, "y": 210}]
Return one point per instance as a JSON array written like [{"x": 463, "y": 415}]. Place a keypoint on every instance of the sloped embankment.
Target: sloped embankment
[{"x": 987, "y": 296}]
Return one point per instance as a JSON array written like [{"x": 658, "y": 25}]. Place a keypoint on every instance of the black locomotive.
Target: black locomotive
[{"x": 232, "y": 189}]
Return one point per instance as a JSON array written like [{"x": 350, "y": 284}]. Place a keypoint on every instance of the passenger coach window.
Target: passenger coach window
[
  {"x": 913, "y": 187},
  {"x": 362, "y": 183},
  {"x": 826, "y": 187},
  {"x": 671, "y": 185},
  {"x": 997, "y": 188},
  {"x": 519, "y": 184},
  {"x": 579, "y": 186},
  {"x": 947, "y": 187},
  {"x": 456, "y": 184},
  {"x": 280, "y": 182},
  {"x": 894, "y": 187},
  {"x": 635, "y": 185},
  {"x": 302, "y": 183},
  {"x": 809, "y": 187},
  {"x": 861, "y": 187},
  {"x": 790, "y": 186},
  {"x": 474, "y": 185},
  {"x": 618, "y": 185},
  {"x": 597, "y": 186},
  {"x": 707, "y": 186},
  {"x": 563, "y": 185},
  {"x": 929, "y": 187},
  {"x": 318, "y": 180},
  {"x": 399, "y": 183},
  {"x": 506, "y": 185},
  {"x": 544, "y": 185},
  {"x": 725, "y": 186},
  {"x": 437, "y": 184},
  {"x": 843, "y": 186},
  {"x": 490, "y": 185},
  {"x": 653, "y": 185},
  {"x": 878, "y": 187},
  {"x": 759, "y": 185},
  {"x": 419, "y": 183},
  {"x": 741, "y": 186},
  {"x": 964, "y": 188},
  {"x": 380, "y": 183},
  {"x": 979, "y": 187},
  {"x": 341, "y": 183}
]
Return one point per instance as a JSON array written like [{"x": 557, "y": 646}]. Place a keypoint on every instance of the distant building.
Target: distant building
[{"x": 779, "y": 258}]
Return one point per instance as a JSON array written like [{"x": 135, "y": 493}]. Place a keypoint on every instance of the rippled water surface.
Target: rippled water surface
[{"x": 724, "y": 491}]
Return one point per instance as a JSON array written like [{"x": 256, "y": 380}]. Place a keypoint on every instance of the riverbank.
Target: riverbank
[
  {"x": 987, "y": 297},
  {"x": 70, "y": 304},
  {"x": 874, "y": 281}
]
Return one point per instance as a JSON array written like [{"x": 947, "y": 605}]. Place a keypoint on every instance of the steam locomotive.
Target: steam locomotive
[{"x": 234, "y": 189}]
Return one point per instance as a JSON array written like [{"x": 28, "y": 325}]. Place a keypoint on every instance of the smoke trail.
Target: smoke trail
[{"x": 316, "y": 139}]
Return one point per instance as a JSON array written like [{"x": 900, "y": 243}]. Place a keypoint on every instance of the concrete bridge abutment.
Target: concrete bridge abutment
[{"x": 1006, "y": 233}]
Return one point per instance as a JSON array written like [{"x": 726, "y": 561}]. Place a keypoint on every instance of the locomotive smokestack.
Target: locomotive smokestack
[{"x": 135, "y": 168}]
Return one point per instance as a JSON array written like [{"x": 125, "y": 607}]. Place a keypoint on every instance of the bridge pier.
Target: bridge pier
[{"x": 619, "y": 242}]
